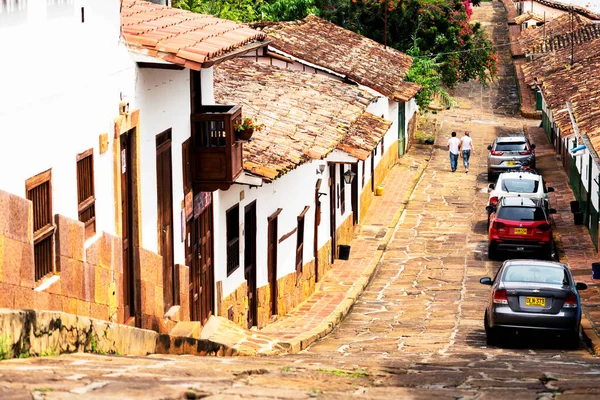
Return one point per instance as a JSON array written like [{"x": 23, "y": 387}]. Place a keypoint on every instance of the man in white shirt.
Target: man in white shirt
[
  {"x": 454, "y": 148},
  {"x": 466, "y": 146}
]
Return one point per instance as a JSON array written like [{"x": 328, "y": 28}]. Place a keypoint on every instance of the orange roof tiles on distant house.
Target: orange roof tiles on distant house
[
  {"x": 346, "y": 53},
  {"x": 182, "y": 37}
]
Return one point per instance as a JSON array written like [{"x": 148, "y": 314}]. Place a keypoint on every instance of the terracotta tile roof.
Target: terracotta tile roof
[
  {"x": 564, "y": 5},
  {"x": 305, "y": 116},
  {"x": 528, "y": 16},
  {"x": 532, "y": 40},
  {"x": 356, "y": 57},
  {"x": 579, "y": 84},
  {"x": 587, "y": 45},
  {"x": 181, "y": 37}
]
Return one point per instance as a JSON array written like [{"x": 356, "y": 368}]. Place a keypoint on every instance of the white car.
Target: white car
[{"x": 519, "y": 184}]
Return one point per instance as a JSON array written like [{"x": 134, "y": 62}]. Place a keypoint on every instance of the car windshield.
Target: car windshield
[
  {"x": 511, "y": 146},
  {"x": 520, "y": 185},
  {"x": 534, "y": 273},
  {"x": 521, "y": 213}
]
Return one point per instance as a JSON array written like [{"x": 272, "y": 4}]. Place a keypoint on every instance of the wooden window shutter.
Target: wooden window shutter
[
  {"x": 232, "y": 217},
  {"x": 86, "y": 199},
  {"x": 300, "y": 241},
  {"x": 342, "y": 190},
  {"x": 187, "y": 171},
  {"x": 39, "y": 191}
]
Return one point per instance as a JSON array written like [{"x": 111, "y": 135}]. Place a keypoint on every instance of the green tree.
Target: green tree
[
  {"x": 235, "y": 10},
  {"x": 288, "y": 10}
]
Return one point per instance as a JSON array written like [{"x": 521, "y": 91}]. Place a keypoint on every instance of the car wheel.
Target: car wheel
[
  {"x": 492, "y": 252},
  {"x": 488, "y": 223},
  {"x": 490, "y": 176},
  {"x": 491, "y": 335}
]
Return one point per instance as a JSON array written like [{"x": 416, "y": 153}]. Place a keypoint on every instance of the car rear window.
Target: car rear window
[
  {"x": 520, "y": 185},
  {"x": 521, "y": 214},
  {"x": 534, "y": 273},
  {"x": 511, "y": 146}
]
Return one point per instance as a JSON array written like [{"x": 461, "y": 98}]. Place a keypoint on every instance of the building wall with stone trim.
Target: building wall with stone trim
[
  {"x": 89, "y": 277},
  {"x": 382, "y": 169}
]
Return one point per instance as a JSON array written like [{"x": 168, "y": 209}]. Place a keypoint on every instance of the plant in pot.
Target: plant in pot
[{"x": 246, "y": 127}]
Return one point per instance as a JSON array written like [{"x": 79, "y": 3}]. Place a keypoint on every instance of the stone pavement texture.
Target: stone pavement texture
[
  {"x": 342, "y": 285},
  {"x": 415, "y": 332}
]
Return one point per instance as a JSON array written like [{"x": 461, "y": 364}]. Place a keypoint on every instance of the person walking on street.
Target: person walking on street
[
  {"x": 466, "y": 147},
  {"x": 454, "y": 148}
]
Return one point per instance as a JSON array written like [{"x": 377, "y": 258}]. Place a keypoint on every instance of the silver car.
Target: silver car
[
  {"x": 533, "y": 295},
  {"x": 510, "y": 153}
]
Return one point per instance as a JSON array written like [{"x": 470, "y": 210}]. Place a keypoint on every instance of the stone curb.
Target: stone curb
[
  {"x": 588, "y": 331},
  {"x": 341, "y": 311}
]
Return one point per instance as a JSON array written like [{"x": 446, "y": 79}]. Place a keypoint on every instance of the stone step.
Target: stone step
[{"x": 190, "y": 329}]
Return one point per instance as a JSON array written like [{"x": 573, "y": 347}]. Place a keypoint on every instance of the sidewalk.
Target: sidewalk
[
  {"x": 339, "y": 289},
  {"x": 574, "y": 243}
]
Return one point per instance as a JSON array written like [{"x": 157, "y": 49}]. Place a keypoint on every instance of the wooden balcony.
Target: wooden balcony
[{"x": 215, "y": 154}]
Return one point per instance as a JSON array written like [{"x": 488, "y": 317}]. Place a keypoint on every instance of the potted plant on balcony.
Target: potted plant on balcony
[{"x": 246, "y": 127}]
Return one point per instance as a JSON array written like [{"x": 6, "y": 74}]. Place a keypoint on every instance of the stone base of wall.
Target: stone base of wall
[
  {"x": 88, "y": 281},
  {"x": 381, "y": 171}
]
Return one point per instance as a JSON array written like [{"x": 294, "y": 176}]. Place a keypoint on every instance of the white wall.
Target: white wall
[
  {"x": 62, "y": 82},
  {"x": 163, "y": 97},
  {"x": 292, "y": 193}
]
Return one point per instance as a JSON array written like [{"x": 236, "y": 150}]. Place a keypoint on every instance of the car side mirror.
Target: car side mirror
[
  {"x": 492, "y": 186},
  {"x": 552, "y": 211},
  {"x": 580, "y": 286},
  {"x": 486, "y": 281},
  {"x": 490, "y": 209},
  {"x": 489, "y": 147},
  {"x": 550, "y": 189},
  {"x": 533, "y": 147}
]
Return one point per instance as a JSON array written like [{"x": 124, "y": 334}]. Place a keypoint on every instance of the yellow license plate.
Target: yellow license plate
[
  {"x": 511, "y": 163},
  {"x": 520, "y": 231},
  {"x": 535, "y": 301}
]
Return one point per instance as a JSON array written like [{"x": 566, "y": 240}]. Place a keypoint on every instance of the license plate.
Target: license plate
[
  {"x": 511, "y": 163},
  {"x": 535, "y": 301},
  {"x": 520, "y": 231}
]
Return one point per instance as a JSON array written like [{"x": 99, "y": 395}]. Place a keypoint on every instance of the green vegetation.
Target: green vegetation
[
  {"x": 287, "y": 369},
  {"x": 356, "y": 373},
  {"x": 4, "y": 347},
  {"x": 43, "y": 390}
]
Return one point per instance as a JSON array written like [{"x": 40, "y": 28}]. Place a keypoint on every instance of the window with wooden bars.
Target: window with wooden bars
[
  {"x": 232, "y": 217},
  {"x": 300, "y": 241},
  {"x": 85, "y": 192},
  {"x": 39, "y": 191}
]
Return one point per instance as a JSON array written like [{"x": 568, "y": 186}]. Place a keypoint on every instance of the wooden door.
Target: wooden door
[
  {"x": 354, "y": 194},
  {"x": 164, "y": 194},
  {"x": 272, "y": 261},
  {"x": 373, "y": 154},
  {"x": 332, "y": 210},
  {"x": 127, "y": 226},
  {"x": 202, "y": 273},
  {"x": 250, "y": 262}
]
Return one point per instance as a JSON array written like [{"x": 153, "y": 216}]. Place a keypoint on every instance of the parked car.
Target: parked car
[
  {"x": 509, "y": 153},
  {"x": 518, "y": 184},
  {"x": 522, "y": 225},
  {"x": 533, "y": 295}
]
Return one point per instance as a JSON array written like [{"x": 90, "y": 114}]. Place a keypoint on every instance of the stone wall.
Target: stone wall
[{"x": 89, "y": 277}]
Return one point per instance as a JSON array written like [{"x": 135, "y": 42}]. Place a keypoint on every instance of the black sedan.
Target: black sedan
[{"x": 533, "y": 295}]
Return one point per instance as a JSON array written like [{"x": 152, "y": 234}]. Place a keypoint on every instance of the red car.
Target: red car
[{"x": 520, "y": 225}]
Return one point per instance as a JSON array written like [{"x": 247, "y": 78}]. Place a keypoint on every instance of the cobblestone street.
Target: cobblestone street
[{"x": 415, "y": 332}]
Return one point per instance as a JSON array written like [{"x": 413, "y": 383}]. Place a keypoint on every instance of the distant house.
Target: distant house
[
  {"x": 568, "y": 94},
  {"x": 551, "y": 9},
  {"x": 101, "y": 214},
  {"x": 279, "y": 235}
]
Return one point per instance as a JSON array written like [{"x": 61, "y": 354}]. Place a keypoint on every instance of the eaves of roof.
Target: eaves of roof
[{"x": 182, "y": 37}]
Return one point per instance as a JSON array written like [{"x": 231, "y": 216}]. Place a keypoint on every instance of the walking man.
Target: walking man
[
  {"x": 454, "y": 148},
  {"x": 466, "y": 146}
]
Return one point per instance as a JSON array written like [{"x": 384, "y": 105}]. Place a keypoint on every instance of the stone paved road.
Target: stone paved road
[{"x": 416, "y": 332}]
